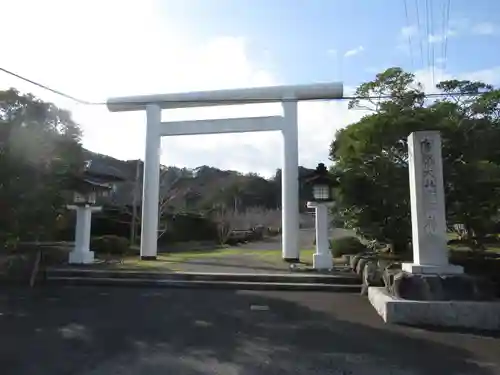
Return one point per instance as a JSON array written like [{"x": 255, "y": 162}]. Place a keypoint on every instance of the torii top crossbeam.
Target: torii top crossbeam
[{"x": 269, "y": 94}]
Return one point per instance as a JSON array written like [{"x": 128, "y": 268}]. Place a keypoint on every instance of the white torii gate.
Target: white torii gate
[{"x": 287, "y": 124}]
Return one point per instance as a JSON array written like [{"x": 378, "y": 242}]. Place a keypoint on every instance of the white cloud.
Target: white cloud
[
  {"x": 490, "y": 75},
  {"x": 484, "y": 28},
  {"x": 438, "y": 38},
  {"x": 456, "y": 27},
  {"x": 409, "y": 31},
  {"x": 96, "y": 49},
  {"x": 354, "y": 51},
  {"x": 460, "y": 23},
  {"x": 461, "y": 27},
  {"x": 410, "y": 36},
  {"x": 429, "y": 79},
  {"x": 332, "y": 52},
  {"x": 440, "y": 60},
  {"x": 408, "y": 39}
]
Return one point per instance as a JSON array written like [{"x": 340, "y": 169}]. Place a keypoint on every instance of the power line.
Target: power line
[
  {"x": 432, "y": 44},
  {"x": 443, "y": 30},
  {"x": 232, "y": 101},
  {"x": 425, "y": 96},
  {"x": 48, "y": 88},
  {"x": 409, "y": 33},
  {"x": 445, "y": 44},
  {"x": 428, "y": 35},
  {"x": 419, "y": 34}
]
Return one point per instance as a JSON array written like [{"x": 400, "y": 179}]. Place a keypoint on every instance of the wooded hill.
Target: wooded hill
[
  {"x": 195, "y": 204},
  {"x": 194, "y": 190}
]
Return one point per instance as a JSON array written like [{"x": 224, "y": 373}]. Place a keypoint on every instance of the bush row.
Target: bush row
[
  {"x": 110, "y": 244},
  {"x": 119, "y": 245},
  {"x": 346, "y": 246}
]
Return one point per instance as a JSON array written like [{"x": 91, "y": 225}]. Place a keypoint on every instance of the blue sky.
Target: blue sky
[
  {"x": 304, "y": 41},
  {"x": 100, "y": 49}
]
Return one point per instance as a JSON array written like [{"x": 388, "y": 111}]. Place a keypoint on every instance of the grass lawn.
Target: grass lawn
[
  {"x": 169, "y": 260},
  {"x": 173, "y": 261},
  {"x": 306, "y": 256},
  {"x": 275, "y": 255},
  {"x": 495, "y": 248},
  {"x": 489, "y": 248}
]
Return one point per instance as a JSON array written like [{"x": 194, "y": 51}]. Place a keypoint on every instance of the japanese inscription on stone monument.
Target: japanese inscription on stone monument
[{"x": 429, "y": 186}]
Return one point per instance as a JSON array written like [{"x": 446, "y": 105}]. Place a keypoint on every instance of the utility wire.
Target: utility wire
[
  {"x": 430, "y": 95},
  {"x": 409, "y": 33},
  {"x": 443, "y": 30},
  {"x": 432, "y": 44},
  {"x": 447, "y": 23},
  {"x": 427, "y": 33},
  {"x": 232, "y": 101},
  {"x": 48, "y": 88},
  {"x": 419, "y": 34}
]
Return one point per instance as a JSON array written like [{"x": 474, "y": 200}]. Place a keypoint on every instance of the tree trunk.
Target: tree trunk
[
  {"x": 398, "y": 247},
  {"x": 473, "y": 239}
]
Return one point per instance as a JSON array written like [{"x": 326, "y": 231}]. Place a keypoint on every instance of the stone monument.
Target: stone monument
[
  {"x": 430, "y": 254},
  {"x": 431, "y": 291}
]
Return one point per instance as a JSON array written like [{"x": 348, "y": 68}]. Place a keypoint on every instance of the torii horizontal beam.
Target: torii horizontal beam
[
  {"x": 218, "y": 126},
  {"x": 318, "y": 91}
]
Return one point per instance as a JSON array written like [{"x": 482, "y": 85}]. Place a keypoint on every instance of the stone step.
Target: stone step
[
  {"x": 293, "y": 278},
  {"x": 203, "y": 284}
]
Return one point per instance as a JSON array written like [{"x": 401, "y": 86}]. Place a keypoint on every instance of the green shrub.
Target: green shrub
[
  {"x": 457, "y": 241},
  {"x": 273, "y": 232},
  {"x": 110, "y": 244},
  {"x": 346, "y": 246}
]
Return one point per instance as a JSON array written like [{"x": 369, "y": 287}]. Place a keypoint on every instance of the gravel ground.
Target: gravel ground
[
  {"x": 306, "y": 239},
  {"x": 238, "y": 263},
  {"x": 125, "y": 331},
  {"x": 242, "y": 263}
]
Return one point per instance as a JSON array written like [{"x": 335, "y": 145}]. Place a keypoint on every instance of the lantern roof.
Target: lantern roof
[{"x": 320, "y": 175}]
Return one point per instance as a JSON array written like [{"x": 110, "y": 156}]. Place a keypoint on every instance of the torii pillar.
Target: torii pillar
[{"x": 288, "y": 96}]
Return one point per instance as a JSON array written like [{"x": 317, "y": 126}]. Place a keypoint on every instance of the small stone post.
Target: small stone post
[
  {"x": 430, "y": 254},
  {"x": 322, "y": 258},
  {"x": 81, "y": 253}
]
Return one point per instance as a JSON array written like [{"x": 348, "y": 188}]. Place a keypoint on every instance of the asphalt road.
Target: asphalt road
[{"x": 122, "y": 331}]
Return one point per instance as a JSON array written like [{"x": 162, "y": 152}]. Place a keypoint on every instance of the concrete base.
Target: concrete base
[
  {"x": 322, "y": 261},
  {"x": 425, "y": 269},
  {"x": 81, "y": 257},
  {"x": 463, "y": 314},
  {"x": 291, "y": 260},
  {"x": 148, "y": 257}
]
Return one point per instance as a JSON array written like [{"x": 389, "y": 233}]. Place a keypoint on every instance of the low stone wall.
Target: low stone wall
[
  {"x": 465, "y": 301},
  {"x": 465, "y": 314}
]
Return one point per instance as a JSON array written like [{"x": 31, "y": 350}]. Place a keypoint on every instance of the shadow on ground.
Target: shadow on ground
[
  {"x": 94, "y": 331},
  {"x": 235, "y": 266},
  {"x": 467, "y": 331}
]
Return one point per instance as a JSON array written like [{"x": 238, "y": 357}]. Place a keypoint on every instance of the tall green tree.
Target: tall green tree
[
  {"x": 371, "y": 155},
  {"x": 471, "y": 155},
  {"x": 39, "y": 144}
]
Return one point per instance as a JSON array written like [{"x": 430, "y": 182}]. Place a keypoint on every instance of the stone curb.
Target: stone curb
[
  {"x": 340, "y": 279},
  {"x": 201, "y": 284}
]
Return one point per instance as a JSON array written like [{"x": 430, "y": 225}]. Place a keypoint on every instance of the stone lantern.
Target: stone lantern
[
  {"x": 322, "y": 187},
  {"x": 86, "y": 186}
]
